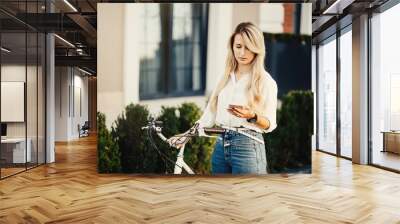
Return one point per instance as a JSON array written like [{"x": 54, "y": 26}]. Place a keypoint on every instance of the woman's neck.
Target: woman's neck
[{"x": 243, "y": 69}]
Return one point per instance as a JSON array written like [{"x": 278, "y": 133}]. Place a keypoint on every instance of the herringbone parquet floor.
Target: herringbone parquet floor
[{"x": 71, "y": 191}]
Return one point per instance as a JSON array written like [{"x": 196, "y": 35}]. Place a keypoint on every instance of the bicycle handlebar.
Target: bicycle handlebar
[
  {"x": 214, "y": 130},
  {"x": 156, "y": 125},
  {"x": 194, "y": 131}
]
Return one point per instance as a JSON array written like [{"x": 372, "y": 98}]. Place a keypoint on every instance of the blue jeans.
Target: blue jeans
[{"x": 238, "y": 154}]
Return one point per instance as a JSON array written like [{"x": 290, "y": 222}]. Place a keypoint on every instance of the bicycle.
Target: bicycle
[{"x": 182, "y": 139}]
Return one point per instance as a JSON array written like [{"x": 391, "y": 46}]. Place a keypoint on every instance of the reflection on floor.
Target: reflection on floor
[
  {"x": 10, "y": 169},
  {"x": 386, "y": 159}
]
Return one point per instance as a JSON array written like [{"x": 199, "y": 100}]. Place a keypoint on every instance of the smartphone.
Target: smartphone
[{"x": 231, "y": 106}]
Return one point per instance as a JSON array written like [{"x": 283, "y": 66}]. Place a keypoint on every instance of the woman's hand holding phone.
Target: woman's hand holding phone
[{"x": 240, "y": 111}]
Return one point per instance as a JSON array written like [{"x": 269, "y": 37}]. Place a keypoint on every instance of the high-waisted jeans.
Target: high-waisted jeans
[{"x": 238, "y": 154}]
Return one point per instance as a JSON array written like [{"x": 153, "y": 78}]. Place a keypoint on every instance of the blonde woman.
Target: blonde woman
[{"x": 244, "y": 102}]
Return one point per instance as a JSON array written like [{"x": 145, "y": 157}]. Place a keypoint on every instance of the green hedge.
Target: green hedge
[
  {"x": 199, "y": 150},
  {"x": 288, "y": 147},
  {"x": 128, "y": 149},
  {"x": 108, "y": 151},
  {"x": 138, "y": 156}
]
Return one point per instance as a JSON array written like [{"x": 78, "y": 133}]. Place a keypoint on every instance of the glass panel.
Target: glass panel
[
  {"x": 153, "y": 29},
  {"x": 179, "y": 55},
  {"x": 22, "y": 88},
  {"x": 385, "y": 90},
  {"x": 152, "y": 57},
  {"x": 196, "y": 27},
  {"x": 346, "y": 94},
  {"x": 196, "y": 79},
  {"x": 41, "y": 98},
  {"x": 186, "y": 32},
  {"x": 180, "y": 80},
  {"x": 196, "y": 55},
  {"x": 180, "y": 58},
  {"x": 327, "y": 97},
  {"x": 314, "y": 89},
  {"x": 154, "y": 81},
  {"x": 179, "y": 29},
  {"x": 188, "y": 29},
  {"x": 151, "y": 51},
  {"x": 13, "y": 80},
  {"x": 182, "y": 10},
  {"x": 31, "y": 98}
]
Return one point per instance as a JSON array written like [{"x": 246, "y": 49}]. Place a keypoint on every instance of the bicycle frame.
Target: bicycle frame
[{"x": 180, "y": 162}]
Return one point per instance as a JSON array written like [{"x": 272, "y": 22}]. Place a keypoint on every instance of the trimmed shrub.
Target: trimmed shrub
[
  {"x": 137, "y": 153},
  {"x": 132, "y": 141},
  {"x": 107, "y": 149},
  {"x": 171, "y": 126},
  {"x": 289, "y": 146},
  {"x": 197, "y": 150}
]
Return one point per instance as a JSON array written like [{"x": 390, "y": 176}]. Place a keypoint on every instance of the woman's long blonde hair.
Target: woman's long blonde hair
[{"x": 254, "y": 41}]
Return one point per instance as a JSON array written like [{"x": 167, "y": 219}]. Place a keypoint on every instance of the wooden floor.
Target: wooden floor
[
  {"x": 5, "y": 172},
  {"x": 71, "y": 191},
  {"x": 10, "y": 171}
]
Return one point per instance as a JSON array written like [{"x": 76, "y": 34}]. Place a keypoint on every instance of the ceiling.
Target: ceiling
[
  {"x": 76, "y": 22},
  {"x": 330, "y": 15}
]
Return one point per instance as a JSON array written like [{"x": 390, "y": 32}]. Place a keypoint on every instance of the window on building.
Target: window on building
[{"x": 173, "y": 50}]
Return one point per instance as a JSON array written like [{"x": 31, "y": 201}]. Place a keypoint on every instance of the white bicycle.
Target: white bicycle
[{"x": 181, "y": 140}]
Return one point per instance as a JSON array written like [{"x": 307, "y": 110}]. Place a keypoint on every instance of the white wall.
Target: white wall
[
  {"x": 306, "y": 19},
  {"x": 244, "y": 12},
  {"x": 70, "y": 83},
  {"x": 33, "y": 127},
  {"x": 62, "y": 80},
  {"x": 219, "y": 31},
  {"x": 131, "y": 58},
  {"x": 110, "y": 60},
  {"x": 271, "y": 17},
  {"x": 81, "y": 108},
  {"x": 17, "y": 73},
  {"x": 13, "y": 95}
]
